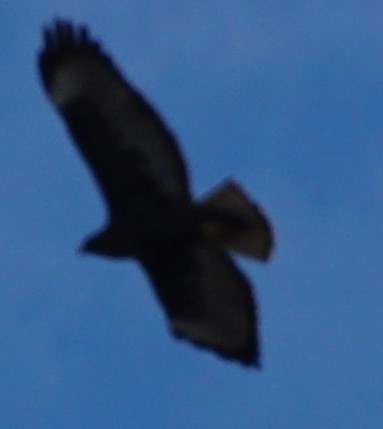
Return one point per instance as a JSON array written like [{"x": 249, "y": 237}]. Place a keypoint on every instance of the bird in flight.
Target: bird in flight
[{"x": 182, "y": 243}]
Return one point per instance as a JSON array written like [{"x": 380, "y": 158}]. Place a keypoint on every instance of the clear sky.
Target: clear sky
[{"x": 285, "y": 97}]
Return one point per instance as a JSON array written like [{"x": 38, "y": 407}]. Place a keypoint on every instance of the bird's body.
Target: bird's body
[{"x": 152, "y": 216}]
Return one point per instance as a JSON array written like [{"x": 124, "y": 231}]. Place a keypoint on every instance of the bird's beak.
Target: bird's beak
[{"x": 82, "y": 250}]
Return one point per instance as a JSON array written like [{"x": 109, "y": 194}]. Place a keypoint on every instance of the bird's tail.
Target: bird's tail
[{"x": 229, "y": 218}]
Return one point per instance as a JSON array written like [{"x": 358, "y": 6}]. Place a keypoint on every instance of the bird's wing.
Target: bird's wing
[
  {"x": 207, "y": 300},
  {"x": 127, "y": 146}
]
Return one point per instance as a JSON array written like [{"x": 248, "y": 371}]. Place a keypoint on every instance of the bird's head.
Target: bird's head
[
  {"x": 107, "y": 242},
  {"x": 94, "y": 244}
]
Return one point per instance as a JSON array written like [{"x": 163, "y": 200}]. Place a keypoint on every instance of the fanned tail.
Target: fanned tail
[{"x": 238, "y": 224}]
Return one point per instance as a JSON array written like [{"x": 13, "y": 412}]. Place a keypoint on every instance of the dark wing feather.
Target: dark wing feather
[
  {"x": 127, "y": 146},
  {"x": 207, "y": 299}
]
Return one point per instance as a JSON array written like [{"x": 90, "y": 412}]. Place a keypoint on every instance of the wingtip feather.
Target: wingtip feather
[{"x": 61, "y": 40}]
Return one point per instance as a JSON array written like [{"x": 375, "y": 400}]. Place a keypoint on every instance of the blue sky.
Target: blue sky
[{"x": 285, "y": 98}]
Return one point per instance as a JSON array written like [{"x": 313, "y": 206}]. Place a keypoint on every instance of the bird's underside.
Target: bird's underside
[{"x": 182, "y": 244}]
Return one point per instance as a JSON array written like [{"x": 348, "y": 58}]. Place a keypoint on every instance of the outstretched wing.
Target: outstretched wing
[
  {"x": 127, "y": 146},
  {"x": 207, "y": 299}
]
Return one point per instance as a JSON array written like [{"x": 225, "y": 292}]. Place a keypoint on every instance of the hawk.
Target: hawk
[{"x": 181, "y": 243}]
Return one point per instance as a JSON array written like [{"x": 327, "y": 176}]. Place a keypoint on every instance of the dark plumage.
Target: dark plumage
[{"x": 135, "y": 160}]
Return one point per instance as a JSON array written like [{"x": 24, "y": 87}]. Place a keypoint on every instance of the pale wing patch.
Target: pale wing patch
[
  {"x": 228, "y": 320},
  {"x": 87, "y": 78},
  {"x": 83, "y": 76},
  {"x": 204, "y": 332}
]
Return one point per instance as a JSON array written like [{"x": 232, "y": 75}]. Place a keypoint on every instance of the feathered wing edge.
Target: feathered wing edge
[{"x": 207, "y": 300}]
